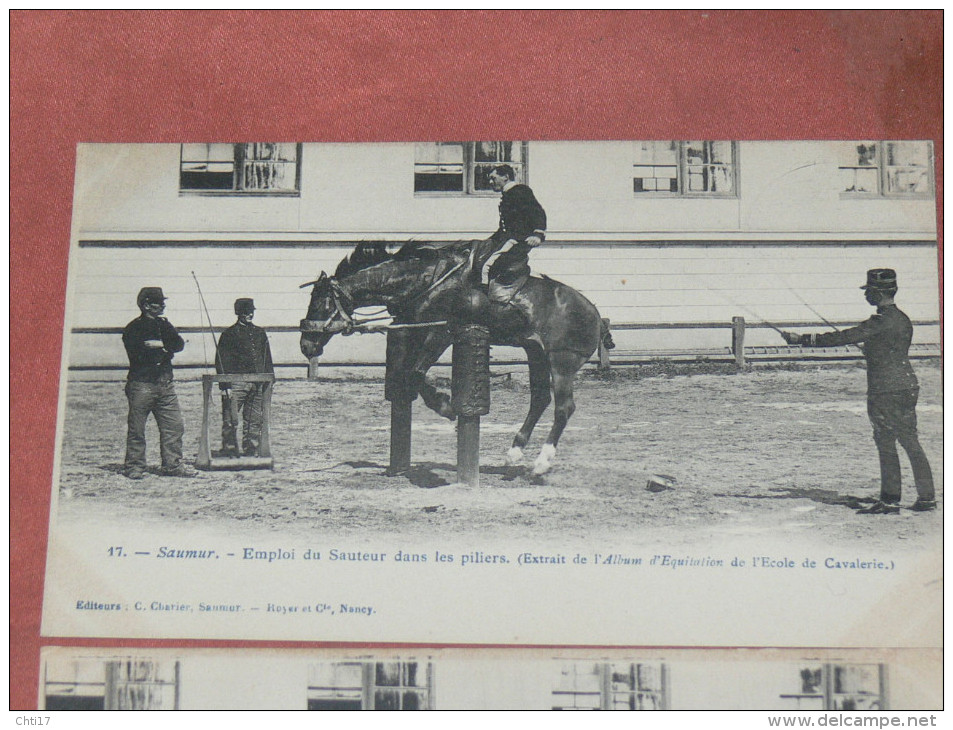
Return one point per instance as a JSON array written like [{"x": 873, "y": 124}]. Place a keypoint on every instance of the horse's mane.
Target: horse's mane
[
  {"x": 371, "y": 253},
  {"x": 364, "y": 255}
]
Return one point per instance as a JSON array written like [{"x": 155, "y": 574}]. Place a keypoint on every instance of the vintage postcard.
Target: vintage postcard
[
  {"x": 310, "y": 392},
  {"x": 474, "y": 679}
]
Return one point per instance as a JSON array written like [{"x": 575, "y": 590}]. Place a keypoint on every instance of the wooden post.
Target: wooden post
[
  {"x": 604, "y": 363},
  {"x": 470, "y": 396},
  {"x": 738, "y": 340},
  {"x": 399, "y": 391},
  {"x": 313, "y": 367},
  {"x": 401, "y": 420},
  {"x": 204, "y": 457}
]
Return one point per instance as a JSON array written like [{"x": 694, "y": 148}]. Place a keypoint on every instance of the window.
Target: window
[
  {"x": 849, "y": 687},
  {"x": 127, "y": 684},
  {"x": 874, "y": 168},
  {"x": 462, "y": 168},
  {"x": 370, "y": 685},
  {"x": 336, "y": 686},
  {"x": 256, "y": 168},
  {"x": 702, "y": 168},
  {"x": 603, "y": 686}
]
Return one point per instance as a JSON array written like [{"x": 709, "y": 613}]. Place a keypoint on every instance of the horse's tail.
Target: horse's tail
[{"x": 605, "y": 334}]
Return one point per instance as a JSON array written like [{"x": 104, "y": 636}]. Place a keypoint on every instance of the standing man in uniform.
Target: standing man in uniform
[
  {"x": 151, "y": 342},
  {"x": 522, "y": 228},
  {"x": 892, "y": 390},
  {"x": 243, "y": 349}
]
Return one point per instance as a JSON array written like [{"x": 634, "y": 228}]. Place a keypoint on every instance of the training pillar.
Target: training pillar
[
  {"x": 738, "y": 340},
  {"x": 470, "y": 396},
  {"x": 399, "y": 390}
]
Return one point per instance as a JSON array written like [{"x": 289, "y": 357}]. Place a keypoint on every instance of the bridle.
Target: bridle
[{"x": 342, "y": 306}]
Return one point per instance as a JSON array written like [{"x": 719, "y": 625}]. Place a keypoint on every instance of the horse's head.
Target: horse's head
[{"x": 329, "y": 312}]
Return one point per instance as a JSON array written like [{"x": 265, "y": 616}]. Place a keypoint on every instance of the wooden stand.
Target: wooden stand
[{"x": 205, "y": 460}]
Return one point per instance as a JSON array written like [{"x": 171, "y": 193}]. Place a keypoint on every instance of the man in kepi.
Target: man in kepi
[
  {"x": 522, "y": 228},
  {"x": 151, "y": 342},
  {"x": 243, "y": 349},
  {"x": 892, "y": 390}
]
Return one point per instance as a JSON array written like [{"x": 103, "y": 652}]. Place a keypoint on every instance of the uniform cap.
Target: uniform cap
[
  {"x": 244, "y": 305},
  {"x": 881, "y": 279},
  {"x": 150, "y": 294}
]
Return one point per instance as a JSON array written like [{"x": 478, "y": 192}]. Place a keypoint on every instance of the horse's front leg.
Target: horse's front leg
[
  {"x": 539, "y": 399},
  {"x": 431, "y": 348},
  {"x": 564, "y": 366}
]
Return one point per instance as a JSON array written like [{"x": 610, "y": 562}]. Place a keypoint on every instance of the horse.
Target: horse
[{"x": 558, "y": 328}]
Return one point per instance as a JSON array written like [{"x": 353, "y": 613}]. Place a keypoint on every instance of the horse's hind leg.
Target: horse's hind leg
[
  {"x": 564, "y": 366},
  {"x": 540, "y": 398}
]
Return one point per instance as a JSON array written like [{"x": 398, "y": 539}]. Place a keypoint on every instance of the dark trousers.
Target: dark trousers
[
  {"x": 160, "y": 400},
  {"x": 894, "y": 418},
  {"x": 246, "y": 399}
]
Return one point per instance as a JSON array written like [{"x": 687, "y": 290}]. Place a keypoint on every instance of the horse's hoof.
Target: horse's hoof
[
  {"x": 514, "y": 457},
  {"x": 544, "y": 462}
]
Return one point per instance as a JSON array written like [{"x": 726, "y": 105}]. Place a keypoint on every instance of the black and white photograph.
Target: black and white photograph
[
  {"x": 861, "y": 681},
  {"x": 522, "y": 392}
]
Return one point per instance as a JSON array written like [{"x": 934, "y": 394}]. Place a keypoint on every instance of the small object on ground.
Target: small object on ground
[
  {"x": 923, "y": 505},
  {"x": 881, "y": 508},
  {"x": 660, "y": 483},
  {"x": 182, "y": 470}
]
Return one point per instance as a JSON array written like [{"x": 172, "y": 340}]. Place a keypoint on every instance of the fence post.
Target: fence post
[
  {"x": 738, "y": 340},
  {"x": 604, "y": 363}
]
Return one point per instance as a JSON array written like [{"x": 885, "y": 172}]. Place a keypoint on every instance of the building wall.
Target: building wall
[{"x": 789, "y": 243}]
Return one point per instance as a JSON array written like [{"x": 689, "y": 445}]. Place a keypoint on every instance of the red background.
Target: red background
[{"x": 173, "y": 76}]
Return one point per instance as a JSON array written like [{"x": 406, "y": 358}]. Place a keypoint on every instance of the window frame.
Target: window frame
[
  {"x": 681, "y": 171},
  {"x": 367, "y": 692},
  {"x": 237, "y": 160},
  {"x": 607, "y": 696},
  {"x": 883, "y": 173},
  {"x": 469, "y": 171}
]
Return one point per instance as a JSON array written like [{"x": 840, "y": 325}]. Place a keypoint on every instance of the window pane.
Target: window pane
[
  {"x": 387, "y": 674},
  {"x": 656, "y": 153},
  {"x": 438, "y": 167},
  {"x": 860, "y": 179},
  {"x": 413, "y": 701},
  {"x": 335, "y": 675},
  {"x": 493, "y": 152},
  {"x": 388, "y": 699},
  {"x": 72, "y": 703},
  {"x": 208, "y": 153},
  {"x": 206, "y": 180},
  {"x": 859, "y": 154},
  {"x": 410, "y": 675},
  {"x": 907, "y": 167},
  {"x": 326, "y": 705}
]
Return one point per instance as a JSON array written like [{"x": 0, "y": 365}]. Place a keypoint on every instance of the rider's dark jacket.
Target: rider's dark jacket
[{"x": 521, "y": 216}]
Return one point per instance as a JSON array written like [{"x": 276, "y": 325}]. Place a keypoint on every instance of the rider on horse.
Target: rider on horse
[{"x": 503, "y": 259}]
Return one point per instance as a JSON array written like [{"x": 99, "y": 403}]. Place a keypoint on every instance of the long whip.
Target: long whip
[{"x": 211, "y": 329}]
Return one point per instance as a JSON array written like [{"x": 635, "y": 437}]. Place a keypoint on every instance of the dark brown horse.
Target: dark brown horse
[{"x": 559, "y": 328}]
